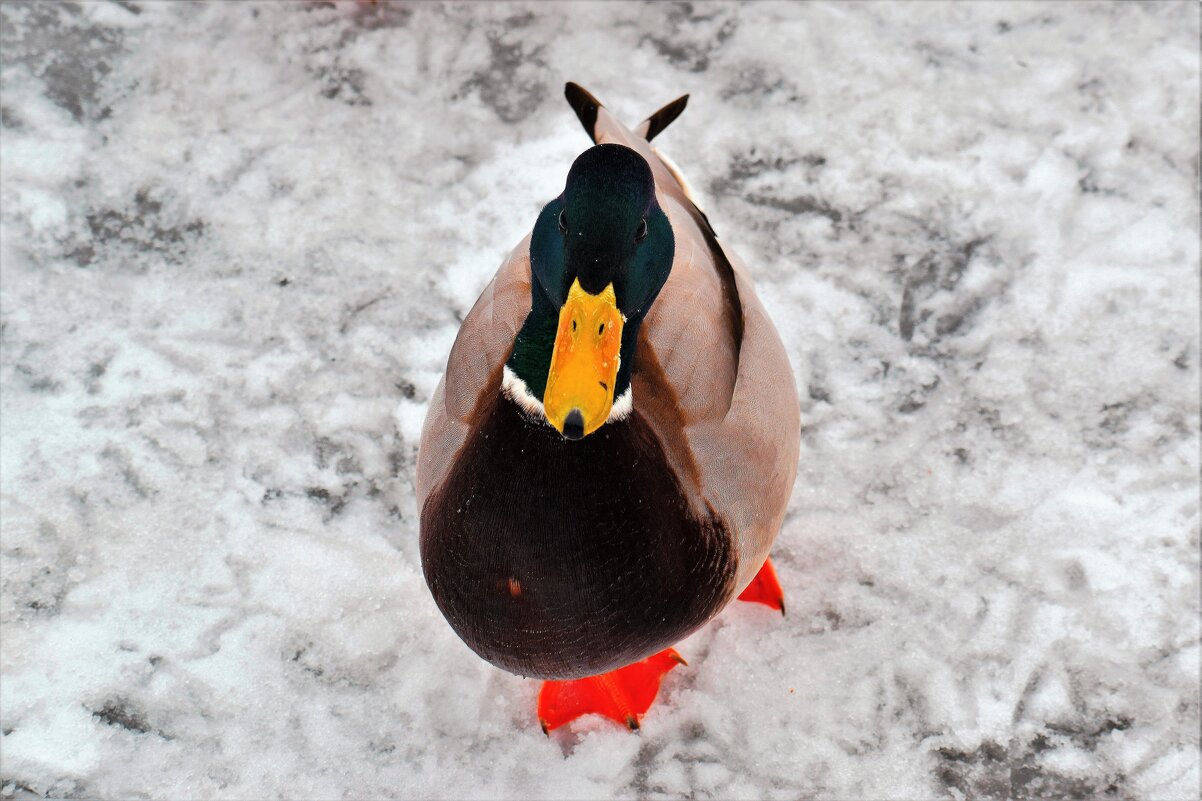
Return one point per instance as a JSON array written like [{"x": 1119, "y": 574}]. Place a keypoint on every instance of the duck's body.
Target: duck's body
[{"x": 561, "y": 546}]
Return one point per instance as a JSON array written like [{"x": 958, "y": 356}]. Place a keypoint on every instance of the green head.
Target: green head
[{"x": 599, "y": 255}]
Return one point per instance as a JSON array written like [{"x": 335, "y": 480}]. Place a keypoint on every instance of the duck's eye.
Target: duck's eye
[
  {"x": 563, "y": 222},
  {"x": 641, "y": 232},
  {"x": 601, "y": 330}
]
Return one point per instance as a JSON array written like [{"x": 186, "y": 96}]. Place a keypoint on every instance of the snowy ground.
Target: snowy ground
[{"x": 236, "y": 242}]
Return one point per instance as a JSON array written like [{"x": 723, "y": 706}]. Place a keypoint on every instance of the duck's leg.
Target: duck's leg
[
  {"x": 621, "y": 695},
  {"x": 765, "y": 588}
]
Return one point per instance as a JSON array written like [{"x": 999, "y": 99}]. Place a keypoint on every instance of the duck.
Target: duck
[{"x": 608, "y": 458}]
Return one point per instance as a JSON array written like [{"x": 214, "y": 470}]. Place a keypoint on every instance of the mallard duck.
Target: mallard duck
[{"x": 608, "y": 458}]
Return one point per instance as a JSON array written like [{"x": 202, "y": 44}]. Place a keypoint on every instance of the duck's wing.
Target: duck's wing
[
  {"x": 711, "y": 373},
  {"x": 732, "y": 389},
  {"x": 474, "y": 368},
  {"x": 750, "y": 454}
]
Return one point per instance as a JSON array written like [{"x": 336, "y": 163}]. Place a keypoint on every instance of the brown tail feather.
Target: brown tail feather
[
  {"x": 584, "y": 104},
  {"x": 661, "y": 119}
]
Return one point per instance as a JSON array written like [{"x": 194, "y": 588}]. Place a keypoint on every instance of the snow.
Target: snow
[{"x": 236, "y": 241}]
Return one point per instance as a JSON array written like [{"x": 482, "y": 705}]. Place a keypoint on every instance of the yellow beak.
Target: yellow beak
[{"x": 584, "y": 364}]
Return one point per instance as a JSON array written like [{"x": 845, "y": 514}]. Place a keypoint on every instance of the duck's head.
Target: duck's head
[{"x": 599, "y": 255}]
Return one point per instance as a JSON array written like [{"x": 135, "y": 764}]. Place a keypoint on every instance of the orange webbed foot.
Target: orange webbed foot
[
  {"x": 622, "y": 695},
  {"x": 765, "y": 588}
]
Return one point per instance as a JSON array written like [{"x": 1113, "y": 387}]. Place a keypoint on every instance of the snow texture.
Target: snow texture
[{"x": 238, "y": 240}]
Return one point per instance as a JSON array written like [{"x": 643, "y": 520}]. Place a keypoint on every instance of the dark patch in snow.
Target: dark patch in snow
[
  {"x": 141, "y": 229},
  {"x": 819, "y": 393},
  {"x": 374, "y": 16},
  {"x": 125, "y": 469},
  {"x": 938, "y": 272},
  {"x": 407, "y": 389},
  {"x": 313, "y": 670},
  {"x": 37, "y": 382},
  {"x": 345, "y": 85},
  {"x": 750, "y": 165},
  {"x": 396, "y": 463},
  {"x": 335, "y": 503},
  {"x": 9, "y": 119},
  {"x": 770, "y": 181},
  {"x": 993, "y": 771},
  {"x": 354, "y": 311},
  {"x": 512, "y": 84},
  {"x": 95, "y": 372},
  {"x": 917, "y": 398},
  {"x": 35, "y": 575},
  {"x": 59, "y": 45},
  {"x": 118, "y": 712},
  {"x": 798, "y": 205},
  {"x": 694, "y": 37},
  {"x": 21, "y": 790},
  {"x": 754, "y": 86}
]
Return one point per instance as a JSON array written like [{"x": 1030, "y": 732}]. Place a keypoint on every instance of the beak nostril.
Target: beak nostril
[{"x": 573, "y": 425}]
